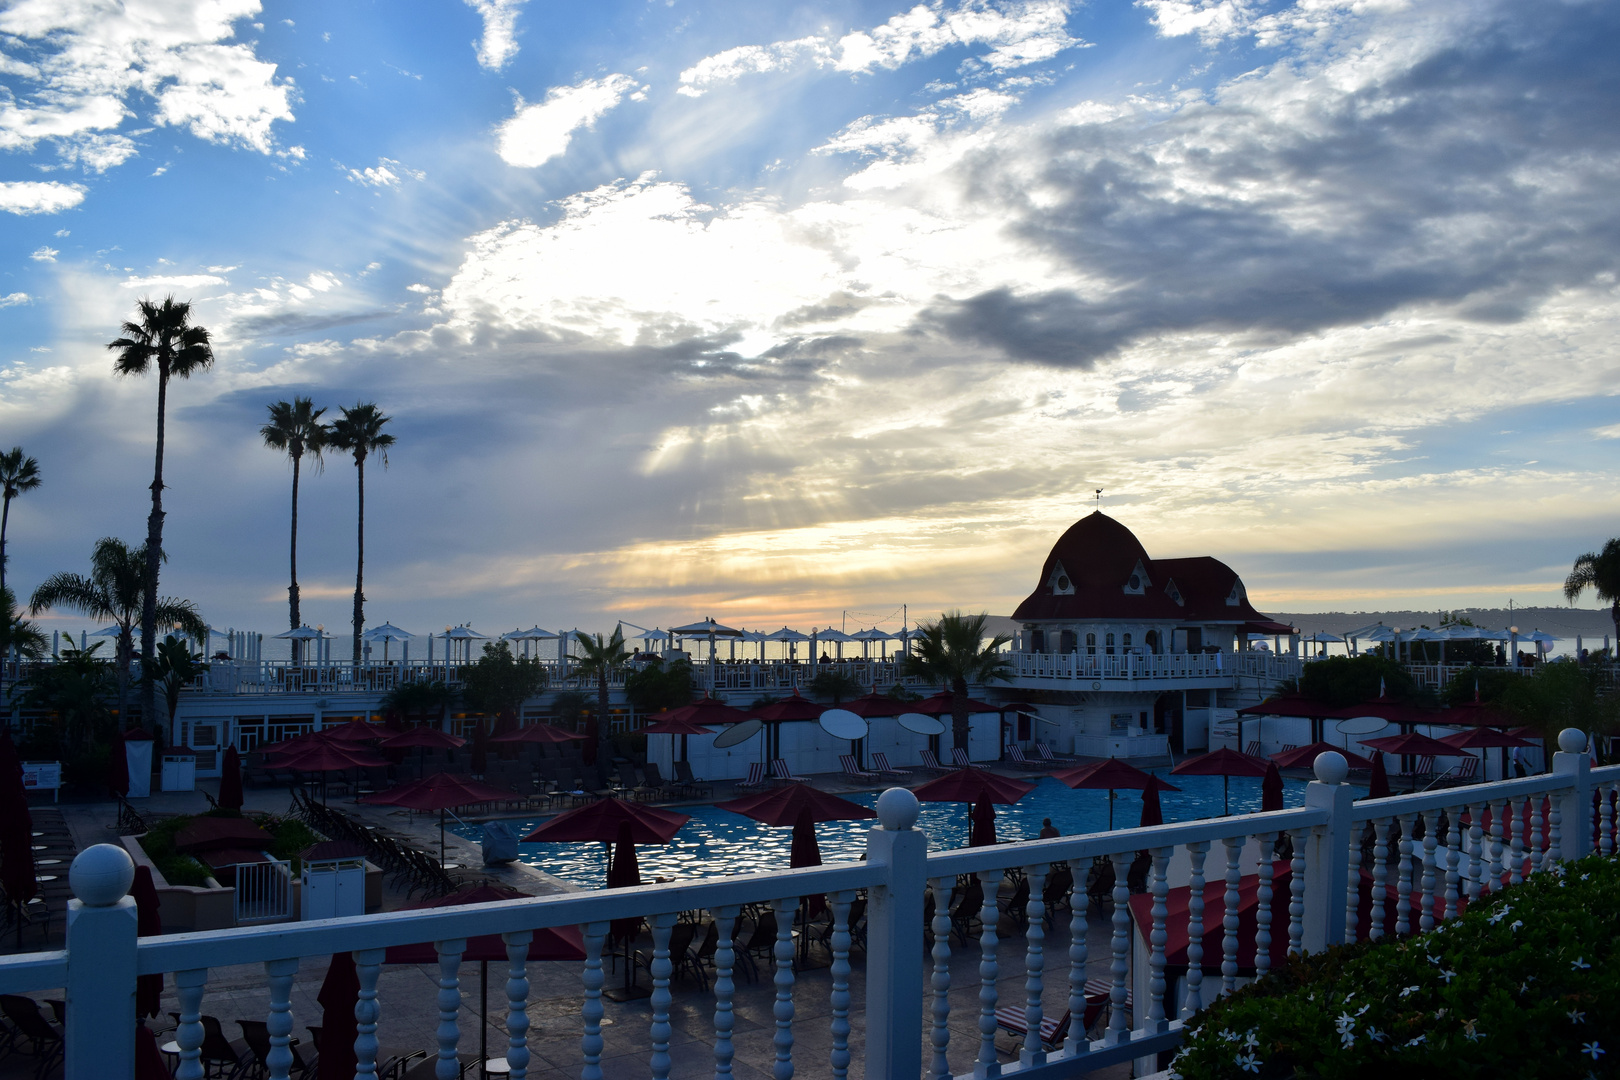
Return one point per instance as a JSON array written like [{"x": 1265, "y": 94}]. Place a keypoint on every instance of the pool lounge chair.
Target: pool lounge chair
[
  {"x": 1043, "y": 750},
  {"x": 780, "y": 771},
  {"x": 691, "y": 785},
  {"x": 853, "y": 768},
  {"x": 931, "y": 762},
  {"x": 880, "y": 762},
  {"x": 959, "y": 756},
  {"x": 1055, "y": 1029},
  {"x": 756, "y": 775},
  {"x": 1017, "y": 760}
]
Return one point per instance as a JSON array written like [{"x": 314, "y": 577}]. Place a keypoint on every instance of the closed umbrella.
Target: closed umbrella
[
  {"x": 16, "y": 832},
  {"x": 339, "y": 991},
  {"x": 1112, "y": 775},
  {"x": 118, "y": 766},
  {"x": 982, "y": 823},
  {"x": 230, "y": 780},
  {"x": 1152, "y": 812},
  {"x": 1378, "y": 786},
  {"x": 480, "y": 749},
  {"x": 148, "y": 923},
  {"x": 1271, "y": 789},
  {"x": 1225, "y": 763}
]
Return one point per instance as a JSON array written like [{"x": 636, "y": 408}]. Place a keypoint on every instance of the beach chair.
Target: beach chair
[
  {"x": 1043, "y": 750},
  {"x": 44, "y": 1041},
  {"x": 691, "y": 785},
  {"x": 1254, "y": 749},
  {"x": 931, "y": 762},
  {"x": 780, "y": 771},
  {"x": 880, "y": 762},
  {"x": 1465, "y": 771},
  {"x": 1055, "y": 1029},
  {"x": 1287, "y": 746},
  {"x": 852, "y": 768},
  {"x": 1017, "y": 760},
  {"x": 959, "y": 756},
  {"x": 756, "y": 775}
]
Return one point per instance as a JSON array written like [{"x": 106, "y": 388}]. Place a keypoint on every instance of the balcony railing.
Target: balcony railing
[
  {"x": 1079, "y": 667},
  {"x": 1534, "y": 823}
]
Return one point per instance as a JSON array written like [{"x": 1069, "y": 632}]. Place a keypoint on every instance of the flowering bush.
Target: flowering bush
[{"x": 1525, "y": 984}]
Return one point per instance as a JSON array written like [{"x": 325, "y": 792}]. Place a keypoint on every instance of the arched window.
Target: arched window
[
  {"x": 1127, "y": 643},
  {"x": 1091, "y": 644},
  {"x": 1109, "y": 642},
  {"x": 1066, "y": 642}
]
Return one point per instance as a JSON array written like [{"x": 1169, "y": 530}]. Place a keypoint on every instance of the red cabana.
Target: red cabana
[
  {"x": 941, "y": 705},
  {"x": 873, "y": 705},
  {"x": 792, "y": 707},
  {"x": 666, "y": 723}
]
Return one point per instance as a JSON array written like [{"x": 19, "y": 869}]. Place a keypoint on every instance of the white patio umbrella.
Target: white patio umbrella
[
  {"x": 385, "y": 633},
  {"x": 837, "y": 637},
  {"x": 534, "y": 633},
  {"x": 462, "y": 633},
  {"x": 755, "y": 637},
  {"x": 866, "y": 637},
  {"x": 712, "y": 630},
  {"x": 1425, "y": 634},
  {"x": 1541, "y": 639}
]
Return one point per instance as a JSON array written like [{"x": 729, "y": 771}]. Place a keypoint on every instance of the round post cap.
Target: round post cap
[
  {"x": 1330, "y": 767},
  {"x": 101, "y": 875},
  {"x": 897, "y": 809},
  {"x": 1572, "y": 741}
]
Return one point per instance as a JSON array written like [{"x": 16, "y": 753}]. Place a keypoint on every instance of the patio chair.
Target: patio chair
[
  {"x": 781, "y": 771},
  {"x": 1043, "y": 750},
  {"x": 880, "y": 762},
  {"x": 1253, "y": 749},
  {"x": 852, "y": 768},
  {"x": 257, "y": 1036},
  {"x": 1055, "y": 1029},
  {"x": 1287, "y": 746},
  {"x": 756, "y": 775},
  {"x": 691, "y": 784},
  {"x": 44, "y": 1040},
  {"x": 681, "y": 956},
  {"x": 1465, "y": 771},
  {"x": 653, "y": 777},
  {"x": 965, "y": 915},
  {"x": 960, "y": 757},
  {"x": 1017, "y": 760},
  {"x": 761, "y": 942},
  {"x": 931, "y": 763}
]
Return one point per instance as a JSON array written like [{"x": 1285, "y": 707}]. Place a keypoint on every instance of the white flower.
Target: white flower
[
  {"x": 1579, "y": 964},
  {"x": 1252, "y": 1040},
  {"x": 1409, "y": 991},
  {"x": 1347, "y": 1039},
  {"x": 1594, "y": 1050},
  {"x": 1448, "y": 975},
  {"x": 1229, "y": 1035},
  {"x": 1375, "y": 1035},
  {"x": 1576, "y": 1016},
  {"x": 1249, "y": 1063},
  {"x": 1516, "y": 924},
  {"x": 1417, "y": 1040},
  {"x": 1434, "y": 959},
  {"x": 1344, "y": 1023}
]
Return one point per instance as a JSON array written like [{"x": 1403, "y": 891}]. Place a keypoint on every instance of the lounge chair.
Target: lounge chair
[
  {"x": 44, "y": 1041},
  {"x": 852, "y": 768},
  {"x": 1465, "y": 771},
  {"x": 690, "y": 784},
  {"x": 931, "y": 762},
  {"x": 1017, "y": 760},
  {"x": 959, "y": 756},
  {"x": 757, "y": 776},
  {"x": 880, "y": 762},
  {"x": 1043, "y": 750},
  {"x": 1055, "y": 1029},
  {"x": 781, "y": 771},
  {"x": 1254, "y": 750}
]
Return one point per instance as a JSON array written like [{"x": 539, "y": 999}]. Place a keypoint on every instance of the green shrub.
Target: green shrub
[
  {"x": 177, "y": 869},
  {"x": 1526, "y": 984}
]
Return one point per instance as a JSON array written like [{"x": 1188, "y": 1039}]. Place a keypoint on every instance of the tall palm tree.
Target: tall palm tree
[
  {"x": 359, "y": 431},
  {"x": 17, "y": 635},
  {"x": 1600, "y": 572},
  {"x": 953, "y": 651},
  {"x": 163, "y": 338},
  {"x": 17, "y": 475},
  {"x": 601, "y": 658},
  {"x": 295, "y": 428},
  {"x": 115, "y": 589}
]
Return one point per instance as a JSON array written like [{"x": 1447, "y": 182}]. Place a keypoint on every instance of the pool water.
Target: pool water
[{"x": 716, "y": 842}]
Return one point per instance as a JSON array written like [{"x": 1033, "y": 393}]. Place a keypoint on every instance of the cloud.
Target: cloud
[
  {"x": 1211, "y": 20},
  {"x": 90, "y": 66},
  {"x": 13, "y": 299},
  {"x": 386, "y": 173},
  {"x": 38, "y": 196},
  {"x": 45, "y": 254},
  {"x": 542, "y": 131},
  {"x": 1017, "y": 34},
  {"x": 499, "y": 43}
]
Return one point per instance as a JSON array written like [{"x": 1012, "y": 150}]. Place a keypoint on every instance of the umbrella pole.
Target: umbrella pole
[
  {"x": 441, "y": 839},
  {"x": 1226, "y": 795},
  {"x": 483, "y": 1014},
  {"x": 1110, "y": 809}
]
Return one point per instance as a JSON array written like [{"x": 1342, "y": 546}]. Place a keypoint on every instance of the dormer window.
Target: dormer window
[
  {"x": 1236, "y": 596},
  {"x": 1174, "y": 593},
  {"x": 1138, "y": 582},
  {"x": 1060, "y": 582}
]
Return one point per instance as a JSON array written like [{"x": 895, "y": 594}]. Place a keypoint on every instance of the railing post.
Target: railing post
[
  {"x": 99, "y": 1040},
  {"x": 1326, "y": 872},
  {"x": 1573, "y": 761},
  {"x": 894, "y": 957}
]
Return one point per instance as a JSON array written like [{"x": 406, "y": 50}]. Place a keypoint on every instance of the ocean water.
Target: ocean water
[{"x": 716, "y": 842}]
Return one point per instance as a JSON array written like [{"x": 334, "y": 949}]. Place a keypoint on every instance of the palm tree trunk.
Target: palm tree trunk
[
  {"x": 360, "y": 564},
  {"x": 125, "y": 647},
  {"x": 5, "y": 519},
  {"x": 959, "y": 713},
  {"x": 154, "y": 556},
  {"x": 602, "y": 724},
  {"x": 1614, "y": 616},
  {"x": 292, "y": 589}
]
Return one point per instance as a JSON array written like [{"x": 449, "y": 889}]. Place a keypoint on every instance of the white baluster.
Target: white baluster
[
  {"x": 1453, "y": 857},
  {"x": 1536, "y": 850},
  {"x": 367, "y": 967},
  {"x": 591, "y": 976},
  {"x": 839, "y": 1057},
  {"x": 1513, "y": 824},
  {"x": 278, "y": 977},
  {"x": 1555, "y": 822},
  {"x": 1606, "y": 819},
  {"x": 1296, "y": 897},
  {"x": 1262, "y": 902},
  {"x": 1120, "y": 945},
  {"x": 725, "y": 956},
  {"x": 449, "y": 1033},
  {"x": 784, "y": 979},
  {"x": 1498, "y": 863},
  {"x": 189, "y": 987},
  {"x": 517, "y": 1002},
  {"x": 1430, "y": 824},
  {"x": 1196, "y": 853},
  {"x": 940, "y": 1030},
  {"x": 1380, "y": 885},
  {"x": 1229, "y": 921},
  {"x": 1352, "y": 887},
  {"x": 1033, "y": 1053},
  {"x": 1157, "y": 937},
  {"x": 1403, "y": 878},
  {"x": 989, "y": 971},
  {"x": 1476, "y": 851},
  {"x": 1077, "y": 1045},
  {"x": 658, "y": 1031}
]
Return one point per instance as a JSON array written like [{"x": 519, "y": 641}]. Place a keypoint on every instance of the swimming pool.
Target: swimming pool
[{"x": 715, "y": 842}]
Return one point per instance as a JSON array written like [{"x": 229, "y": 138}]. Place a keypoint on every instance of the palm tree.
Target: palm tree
[
  {"x": 115, "y": 589},
  {"x": 17, "y": 475},
  {"x": 359, "y": 431},
  {"x": 602, "y": 657},
  {"x": 165, "y": 338},
  {"x": 295, "y": 428},
  {"x": 175, "y": 667},
  {"x": 17, "y": 636},
  {"x": 952, "y": 651},
  {"x": 1600, "y": 572}
]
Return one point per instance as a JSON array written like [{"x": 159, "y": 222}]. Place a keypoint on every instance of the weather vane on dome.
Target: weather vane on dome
[{"x": 1098, "y": 499}]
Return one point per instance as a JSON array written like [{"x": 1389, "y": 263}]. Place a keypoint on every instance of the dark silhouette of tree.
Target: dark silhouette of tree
[
  {"x": 359, "y": 431},
  {"x": 295, "y": 429},
  {"x": 952, "y": 651},
  {"x": 18, "y": 473},
  {"x": 1600, "y": 572}
]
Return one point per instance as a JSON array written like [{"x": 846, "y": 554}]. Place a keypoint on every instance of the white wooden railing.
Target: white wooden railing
[
  {"x": 1445, "y": 869},
  {"x": 1079, "y": 666},
  {"x": 263, "y": 891}
]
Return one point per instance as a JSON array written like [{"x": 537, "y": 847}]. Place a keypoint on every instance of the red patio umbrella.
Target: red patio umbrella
[
  {"x": 874, "y": 704},
  {"x": 355, "y": 731},
  {"x": 787, "y": 804},
  {"x": 422, "y": 739},
  {"x": 1271, "y": 789},
  {"x": 1152, "y": 812},
  {"x": 339, "y": 991},
  {"x": 1413, "y": 743},
  {"x": 940, "y": 705},
  {"x": 16, "y": 832},
  {"x": 1483, "y": 738},
  {"x": 148, "y": 923},
  {"x": 537, "y": 733},
  {"x": 118, "y": 765},
  {"x": 1112, "y": 775},
  {"x": 982, "y": 789},
  {"x": 324, "y": 756},
  {"x": 1225, "y": 763},
  {"x": 440, "y": 792},
  {"x": 792, "y": 707},
  {"x": 1303, "y": 757},
  {"x": 230, "y": 780},
  {"x": 666, "y": 723},
  {"x": 708, "y": 710}
]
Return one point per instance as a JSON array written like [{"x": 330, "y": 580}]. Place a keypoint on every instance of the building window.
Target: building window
[
  {"x": 1066, "y": 642},
  {"x": 1127, "y": 643},
  {"x": 1120, "y": 723},
  {"x": 1109, "y": 642},
  {"x": 1091, "y": 644},
  {"x": 1151, "y": 640},
  {"x": 1037, "y": 641}
]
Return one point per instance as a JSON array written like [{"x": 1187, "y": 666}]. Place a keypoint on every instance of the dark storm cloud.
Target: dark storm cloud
[
  {"x": 1481, "y": 178},
  {"x": 288, "y": 323}
]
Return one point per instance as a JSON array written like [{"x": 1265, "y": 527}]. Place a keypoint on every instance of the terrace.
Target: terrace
[{"x": 896, "y": 1010}]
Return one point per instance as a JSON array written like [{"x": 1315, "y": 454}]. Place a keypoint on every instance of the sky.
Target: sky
[{"x": 801, "y": 313}]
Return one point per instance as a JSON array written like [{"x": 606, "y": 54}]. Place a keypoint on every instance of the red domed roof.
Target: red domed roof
[{"x": 1098, "y": 569}]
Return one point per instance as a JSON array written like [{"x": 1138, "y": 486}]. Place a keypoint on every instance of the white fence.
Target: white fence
[
  {"x": 263, "y": 891},
  {"x": 1078, "y": 667},
  {"x": 1533, "y": 821}
]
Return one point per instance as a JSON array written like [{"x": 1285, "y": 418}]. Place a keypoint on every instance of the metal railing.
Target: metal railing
[
  {"x": 263, "y": 891},
  {"x": 1449, "y": 847}
]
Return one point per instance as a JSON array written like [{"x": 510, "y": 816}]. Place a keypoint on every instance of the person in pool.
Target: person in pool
[{"x": 1048, "y": 830}]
